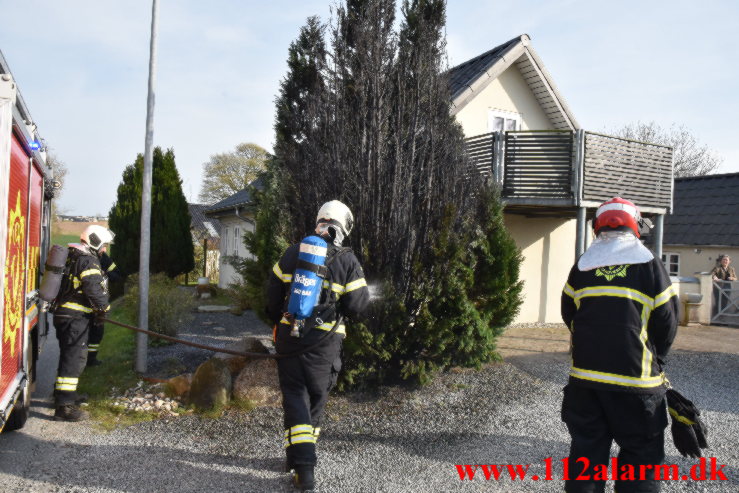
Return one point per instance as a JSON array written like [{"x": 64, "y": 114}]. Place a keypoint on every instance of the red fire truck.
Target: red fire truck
[{"x": 26, "y": 190}]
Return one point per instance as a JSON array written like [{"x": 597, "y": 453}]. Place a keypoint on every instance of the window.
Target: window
[
  {"x": 500, "y": 120},
  {"x": 225, "y": 241},
  {"x": 237, "y": 238},
  {"x": 672, "y": 263}
]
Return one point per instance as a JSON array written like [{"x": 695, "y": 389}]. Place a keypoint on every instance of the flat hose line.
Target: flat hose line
[{"x": 229, "y": 351}]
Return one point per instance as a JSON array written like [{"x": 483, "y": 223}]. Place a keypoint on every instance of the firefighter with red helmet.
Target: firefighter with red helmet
[
  {"x": 621, "y": 309},
  {"x": 306, "y": 380},
  {"x": 82, "y": 296}
]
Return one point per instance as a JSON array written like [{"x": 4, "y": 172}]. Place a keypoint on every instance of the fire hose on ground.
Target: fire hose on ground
[{"x": 245, "y": 354}]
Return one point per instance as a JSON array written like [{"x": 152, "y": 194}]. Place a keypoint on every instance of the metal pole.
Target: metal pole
[
  {"x": 659, "y": 222},
  {"x": 145, "y": 245},
  {"x": 580, "y": 232}
]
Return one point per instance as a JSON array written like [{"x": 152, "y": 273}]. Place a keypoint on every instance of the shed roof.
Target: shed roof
[
  {"x": 705, "y": 211},
  {"x": 469, "y": 78},
  {"x": 241, "y": 198},
  {"x": 205, "y": 227}
]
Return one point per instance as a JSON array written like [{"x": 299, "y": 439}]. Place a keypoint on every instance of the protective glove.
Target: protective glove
[
  {"x": 98, "y": 316},
  {"x": 689, "y": 433}
]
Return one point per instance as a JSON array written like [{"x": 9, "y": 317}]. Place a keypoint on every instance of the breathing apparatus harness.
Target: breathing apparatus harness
[{"x": 305, "y": 310}]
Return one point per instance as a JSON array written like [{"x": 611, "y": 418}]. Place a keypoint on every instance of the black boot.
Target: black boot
[
  {"x": 92, "y": 359},
  {"x": 303, "y": 478},
  {"x": 70, "y": 412}
]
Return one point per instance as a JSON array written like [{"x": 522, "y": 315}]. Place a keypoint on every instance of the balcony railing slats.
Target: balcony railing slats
[
  {"x": 542, "y": 167},
  {"x": 641, "y": 172},
  {"x": 537, "y": 164}
]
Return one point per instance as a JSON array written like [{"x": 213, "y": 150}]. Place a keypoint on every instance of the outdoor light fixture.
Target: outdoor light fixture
[{"x": 697, "y": 250}]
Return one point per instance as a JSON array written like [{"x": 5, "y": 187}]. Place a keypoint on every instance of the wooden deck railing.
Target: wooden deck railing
[{"x": 574, "y": 169}]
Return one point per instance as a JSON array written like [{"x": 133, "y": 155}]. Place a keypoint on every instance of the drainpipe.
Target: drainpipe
[
  {"x": 658, "y": 231},
  {"x": 580, "y": 233}
]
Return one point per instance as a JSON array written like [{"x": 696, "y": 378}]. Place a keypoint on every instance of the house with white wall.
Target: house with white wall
[
  {"x": 236, "y": 217},
  {"x": 552, "y": 173}
]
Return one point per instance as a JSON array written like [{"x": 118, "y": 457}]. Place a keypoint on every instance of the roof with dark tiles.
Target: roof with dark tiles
[
  {"x": 241, "y": 198},
  {"x": 199, "y": 220},
  {"x": 706, "y": 211},
  {"x": 465, "y": 73}
]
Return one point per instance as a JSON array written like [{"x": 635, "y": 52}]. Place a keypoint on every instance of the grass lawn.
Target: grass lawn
[
  {"x": 115, "y": 375},
  {"x": 64, "y": 239}
]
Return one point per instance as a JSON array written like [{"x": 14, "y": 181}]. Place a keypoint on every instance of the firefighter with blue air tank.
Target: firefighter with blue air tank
[
  {"x": 314, "y": 285},
  {"x": 621, "y": 309}
]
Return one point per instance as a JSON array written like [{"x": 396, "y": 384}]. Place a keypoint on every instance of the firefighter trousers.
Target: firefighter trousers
[
  {"x": 305, "y": 382},
  {"x": 72, "y": 333},
  {"x": 596, "y": 418},
  {"x": 97, "y": 329}
]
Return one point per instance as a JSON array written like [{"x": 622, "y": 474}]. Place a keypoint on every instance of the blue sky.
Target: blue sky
[{"x": 82, "y": 68}]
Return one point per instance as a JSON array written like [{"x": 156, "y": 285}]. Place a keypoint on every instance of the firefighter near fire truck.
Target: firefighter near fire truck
[
  {"x": 314, "y": 285},
  {"x": 97, "y": 329},
  {"x": 83, "y": 297},
  {"x": 621, "y": 309}
]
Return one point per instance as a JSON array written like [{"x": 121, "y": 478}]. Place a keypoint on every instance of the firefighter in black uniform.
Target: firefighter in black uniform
[
  {"x": 97, "y": 329},
  {"x": 621, "y": 309},
  {"x": 306, "y": 380},
  {"x": 83, "y": 296}
]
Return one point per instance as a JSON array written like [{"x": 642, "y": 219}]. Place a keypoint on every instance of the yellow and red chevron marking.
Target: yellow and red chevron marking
[{"x": 14, "y": 270}]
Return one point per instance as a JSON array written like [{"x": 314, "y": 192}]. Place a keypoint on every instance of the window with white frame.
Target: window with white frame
[
  {"x": 501, "y": 120},
  {"x": 225, "y": 241},
  {"x": 672, "y": 262},
  {"x": 237, "y": 238}
]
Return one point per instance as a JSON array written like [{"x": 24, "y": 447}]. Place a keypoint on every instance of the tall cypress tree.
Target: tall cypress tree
[
  {"x": 374, "y": 130},
  {"x": 172, "y": 249}
]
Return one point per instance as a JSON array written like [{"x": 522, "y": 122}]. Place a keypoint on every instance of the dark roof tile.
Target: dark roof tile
[
  {"x": 461, "y": 76},
  {"x": 706, "y": 211}
]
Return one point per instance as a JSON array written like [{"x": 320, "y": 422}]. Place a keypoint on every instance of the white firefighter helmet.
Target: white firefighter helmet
[
  {"x": 338, "y": 214},
  {"x": 95, "y": 236}
]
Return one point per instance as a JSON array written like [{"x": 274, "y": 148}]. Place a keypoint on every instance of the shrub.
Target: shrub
[{"x": 169, "y": 305}]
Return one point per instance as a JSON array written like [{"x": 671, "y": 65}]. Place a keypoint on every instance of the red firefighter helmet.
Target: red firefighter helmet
[{"x": 618, "y": 212}]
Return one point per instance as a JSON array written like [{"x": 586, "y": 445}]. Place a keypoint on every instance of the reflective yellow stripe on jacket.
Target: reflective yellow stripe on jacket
[
  {"x": 76, "y": 306},
  {"x": 324, "y": 326},
  {"x": 283, "y": 277},
  {"x": 646, "y": 380},
  {"x": 90, "y": 272}
]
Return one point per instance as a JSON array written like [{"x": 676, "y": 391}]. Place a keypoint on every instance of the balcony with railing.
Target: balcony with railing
[{"x": 558, "y": 173}]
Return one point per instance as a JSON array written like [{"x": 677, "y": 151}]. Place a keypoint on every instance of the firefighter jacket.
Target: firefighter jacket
[
  {"x": 85, "y": 290},
  {"x": 344, "y": 288},
  {"x": 622, "y": 320},
  {"x": 110, "y": 270}
]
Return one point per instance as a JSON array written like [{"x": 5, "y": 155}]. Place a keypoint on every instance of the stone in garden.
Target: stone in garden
[
  {"x": 213, "y": 308},
  {"x": 211, "y": 385},
  {"x": 258, "y": 383},
  {"x": 235, "y": 363},
  {"x": 180, "y": 385}
]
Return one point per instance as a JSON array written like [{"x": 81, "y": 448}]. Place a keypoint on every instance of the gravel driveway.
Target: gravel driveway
[{"x": 391, "y": 441}]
